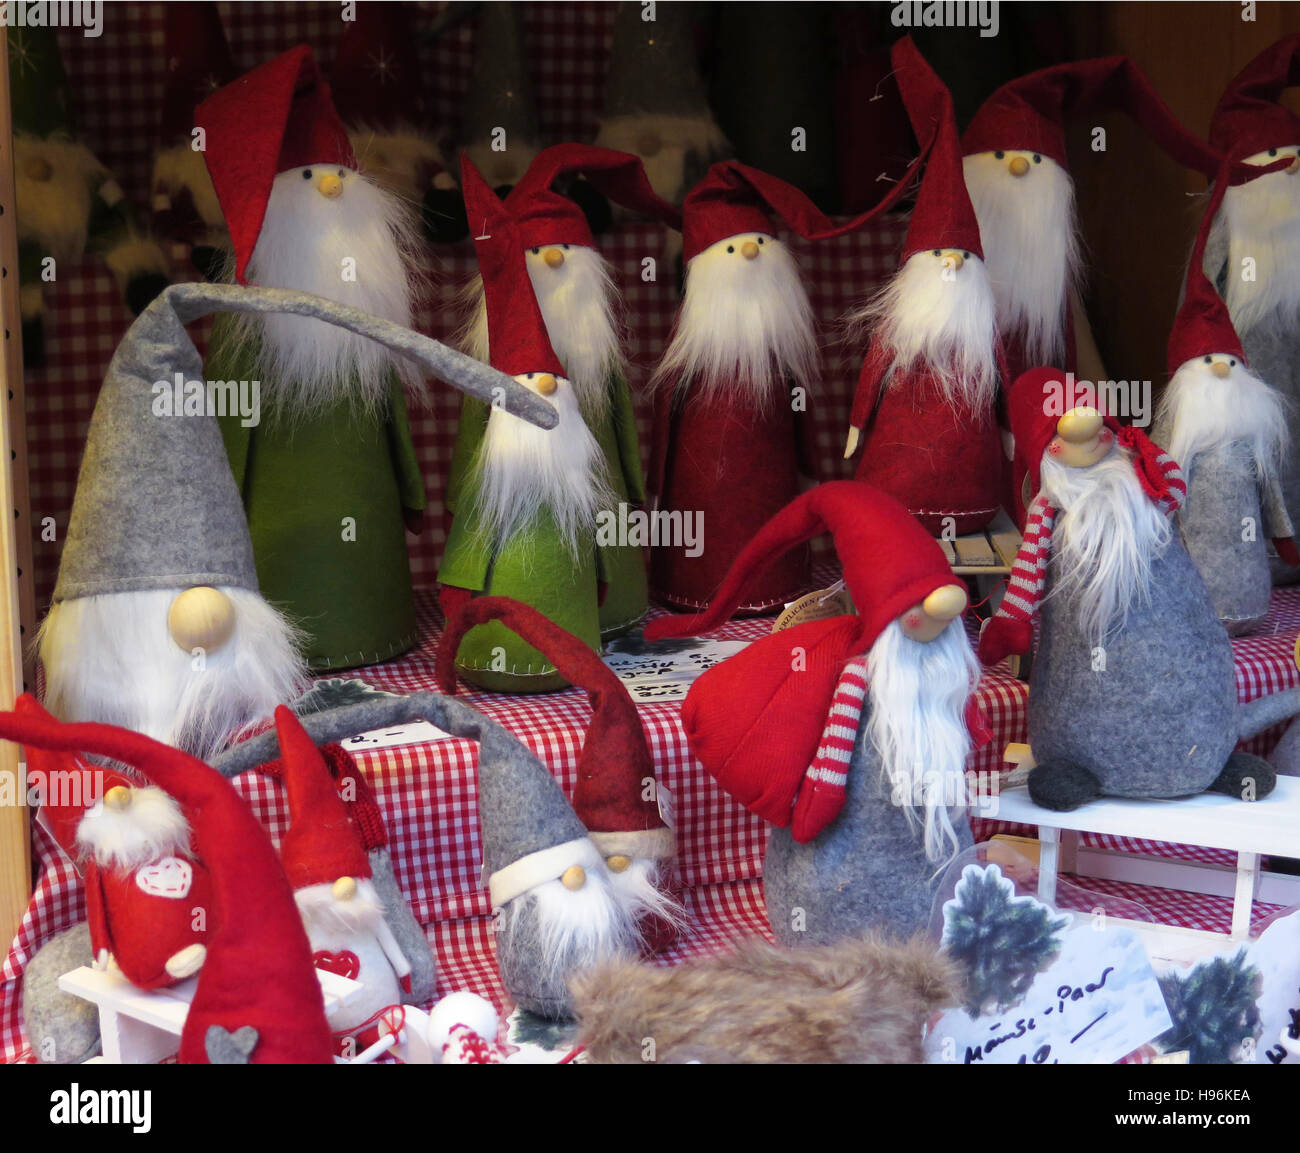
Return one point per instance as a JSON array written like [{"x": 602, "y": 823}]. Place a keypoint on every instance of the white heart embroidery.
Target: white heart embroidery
[{"x": 170, "y": 877}]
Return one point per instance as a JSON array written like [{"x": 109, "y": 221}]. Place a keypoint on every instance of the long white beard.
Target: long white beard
[
  {"x": 307, "y": 242},
  {"x": 1105, "y": 538},
  {"x": 55, "y": 212},
  {"x": 1263, "y": 223},
  {"x": 579, "y": 306},
  {"x": 743, "y": 328},
  {"x": 639, "y": 889},
  {"x": 322, "y": 912},
  {"x": 1030, "y": 234},
  {"x": 1199, "y": 411},
  {"x": 946, "y": 327},
  {"x": 111, "y": 658},
  {"x": 917, "y": 726},
  {"x": 522, "y": 468},
  {"x": 152, "y": 827}
]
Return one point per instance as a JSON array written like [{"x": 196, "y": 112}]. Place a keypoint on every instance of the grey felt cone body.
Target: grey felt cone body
[
  {"x": 61, "y": 1028},
  {"x": 866, "y": 870},
  {"x": 156, "y": 505}
]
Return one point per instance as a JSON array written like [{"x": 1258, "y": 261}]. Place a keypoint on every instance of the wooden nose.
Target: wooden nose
[
  {"x": 118, "y": 797},
  {"x": 1018, "y": 166},
  {"x": 618, "y": 863},
  {"x": 945, "y": 603},
  {"x": 201, "y": 618},
  {"x": 345, "y": 888},
  {"x": 1079, "y": 425},
  {"x": 330, "y": 186},
  {"x": 1220, "y": 368},
  {"x": 554, "y": 257},
  {"x": 573, "y": 878},
  {"x": 1294, "y": 166},
  {"x": 749, "y": 250},
  {"x": 37, "y": 168},
  {"x": 546, "y": 384},
  {"x": 953, "y": 260}
]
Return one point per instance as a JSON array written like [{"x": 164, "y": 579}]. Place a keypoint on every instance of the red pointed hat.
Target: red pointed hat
[
  {"x": 890, "y": 562},
  {"x": 1203, "y": 325},
  {"x": 943, "y": 216},
  {"x": 1249, "y": 117},
  {"x": 1033, "y": 409},
  {"x": 516, "y": 332},
  {"x": 258, "y": 971},
  {"x": 277, "y": 117},
  {"x": 198, "y": 63},
  {"x": 376, "y": 79},
  {"x": 321, "y": 845},
  {"x": 545, "y": 216},
  {"x": 615, "y": 762},
  {"x": 1030, "y": 114}
]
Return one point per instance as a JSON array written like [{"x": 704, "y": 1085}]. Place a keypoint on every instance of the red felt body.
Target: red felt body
[{"x": 738, "y": 468}]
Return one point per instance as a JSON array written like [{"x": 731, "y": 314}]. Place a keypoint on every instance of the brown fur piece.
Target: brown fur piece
[{"x": 862, "y": 1001}]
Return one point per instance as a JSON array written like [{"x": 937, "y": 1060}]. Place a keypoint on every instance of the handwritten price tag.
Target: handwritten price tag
[{"x": 652, "y": 677}]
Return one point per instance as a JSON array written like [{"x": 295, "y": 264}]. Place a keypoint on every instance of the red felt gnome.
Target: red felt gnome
[
  {"x": 928, "y": 390},
  {"x": 617, "y": 797}
]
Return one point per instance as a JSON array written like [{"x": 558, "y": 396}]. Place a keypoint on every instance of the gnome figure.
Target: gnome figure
[
  {"x": 1228, "y": 429},
  {"x": 328, "y": 476},
  {"x": 1254, "y": 240},
  {"x": 1132, "y": 691},
  {"x": 324, "y": 860},
  {"x": 185, "y": 205},
  {"x": 618, "y": 798},
  {"x": 579, "y": 302},
  {"x": 655, "y": 100},
  {"x": 526, "y": 500},
  {"x": 928, "y": 391},
  {"x": 857, "y": 757},
  {"x": 68, "y": 202}
]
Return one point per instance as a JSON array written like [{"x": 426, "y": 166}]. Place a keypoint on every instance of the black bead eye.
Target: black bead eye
[
  {"x": 565, "y": 247},
  {"x": 965, "y": 255},
  {"x": 1037, "y": 159},
  {"x": 342, "y": 173},
  {"x": 306, "y": 173},
  {"x": 999, "y": 155},
  {"x": 760, "y": 240},
  {"x": 531, "y": 375},
  {"x": 731, "y": 248},
  {"x": 536, "y": 251},
  {"x": 1232, "y": 363},
  {"x": 1272, "y": 151},
  {"x": 934, "y": 252},
  {"x": 1209, "y": 360}
]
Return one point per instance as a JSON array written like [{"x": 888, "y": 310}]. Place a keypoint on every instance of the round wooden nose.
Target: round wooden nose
[
  {"x": 1220, "y": 368},
  {"x": 618, "y": 864},
  {"x": 749, "y": 250},
  {"x": 330, "y": 186},
  {"x": 546, "y": 384},
  {"x": 201, "y": 618},
  {"x": 573, "y": 878},
  {"x": 953, "y": 260},
  {"x": 1018, "y": 166},
  {"x": 37, "y": 168},
  {"x": 553, "y": 257},
  {"x": 1079, "y": 424},
  {"x": 118, "y": 797},
  {"x": 345, "y": 888},
  {"x": 945, "y": 603}
]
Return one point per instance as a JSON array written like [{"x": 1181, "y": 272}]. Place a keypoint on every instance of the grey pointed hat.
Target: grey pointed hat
[
  {"x": 156, "y": 505},
  {"x": 652, "y": 64}
]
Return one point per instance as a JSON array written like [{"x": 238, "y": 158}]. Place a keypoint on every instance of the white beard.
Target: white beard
[
  {"x": 180, "y": 168},
  {"x": 1030, "y": 234},
  {"x": 521, "y": 468},
  {"x": 578, "y": 303},
  {"x": 1263, "y": 223},
  {"x": 945, "y": 327},
  {"x": 111, "y": 658},
  {"x": 1106, "y": 535},
  {"x": 152, "y": 827},
  {"x": 306, "y": 363},
  {"x": 743, "y": 328},
  {"x": 322, "y": 912},
  {"x": 1199, "y": 412},
  {"x": 638, "y": 888},
  {"x": 55, "y": 213},
  {"x": 918, "y": 694},
  {"x": 400, "y": 160}
]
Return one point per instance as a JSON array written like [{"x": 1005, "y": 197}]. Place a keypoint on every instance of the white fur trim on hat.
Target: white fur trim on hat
[{"x": 544, "y": 865}]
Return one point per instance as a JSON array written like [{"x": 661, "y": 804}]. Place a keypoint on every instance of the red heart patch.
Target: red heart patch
[{"x": 344, "y": 963}]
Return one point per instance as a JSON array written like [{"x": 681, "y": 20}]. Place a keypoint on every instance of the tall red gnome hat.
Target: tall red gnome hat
[
  {"x": 756, "y": 719},
  {"x": 277, "y": 117},
  {"x": 198, "y": 63},
  {"x": 544, "y": 216},
  {"x": 516, "y": 332},
  {"x": 943, "y": 216},
  {"x": 376, "y": 79},
  {"x": 1030, "y": 113},
  {"x": 321, "y": 845},
  {"x": 1249, "y": 118},
  {"x": 258, "y": 973}
]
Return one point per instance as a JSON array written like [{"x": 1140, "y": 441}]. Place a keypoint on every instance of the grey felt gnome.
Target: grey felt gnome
[
  {"x": 1227, "y": 429},
  {"x": 157, "y": 623},
  {"x": 1133, "y": 691},
  {"x": 856, "y": 748}
]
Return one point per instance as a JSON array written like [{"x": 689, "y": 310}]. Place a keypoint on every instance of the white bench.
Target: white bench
[
  {"x": 1270, "y": 827},
  {"x": 143, "y": 1026}
]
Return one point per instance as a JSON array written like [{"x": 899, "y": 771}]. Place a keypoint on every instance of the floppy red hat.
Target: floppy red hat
[{"x": 1249, "y": 118}]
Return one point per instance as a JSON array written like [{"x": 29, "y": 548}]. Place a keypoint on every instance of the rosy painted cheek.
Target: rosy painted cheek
[
  {"x": 912, "y": 620},
  {"x": 1054, "y": 449}
]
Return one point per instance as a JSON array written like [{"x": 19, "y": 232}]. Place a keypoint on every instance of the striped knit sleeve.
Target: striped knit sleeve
[
  {"x": 1029, "y": 572},
  {"x": 1175, "y": 484},
  {"x": 830, "y": 764}
]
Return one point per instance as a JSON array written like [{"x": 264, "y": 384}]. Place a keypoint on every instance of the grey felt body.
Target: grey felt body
[
  {"x": 866, "y": 870},
  {"x": 156, "y": 505},
  {"x": 1160, "y": 718},
  {"x": 1226, "y": 533},
  {"x": 405, "y": 929},
  {"x": 62, "y": 1029}
]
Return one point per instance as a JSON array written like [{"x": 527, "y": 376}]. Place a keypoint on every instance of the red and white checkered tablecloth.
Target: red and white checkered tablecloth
[{"x": 428, "y": 796}]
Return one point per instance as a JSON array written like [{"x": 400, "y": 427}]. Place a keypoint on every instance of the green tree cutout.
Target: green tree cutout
[
  {"x": 1214, "y": 1009},
  {"x": 1000, "y": 940}
]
